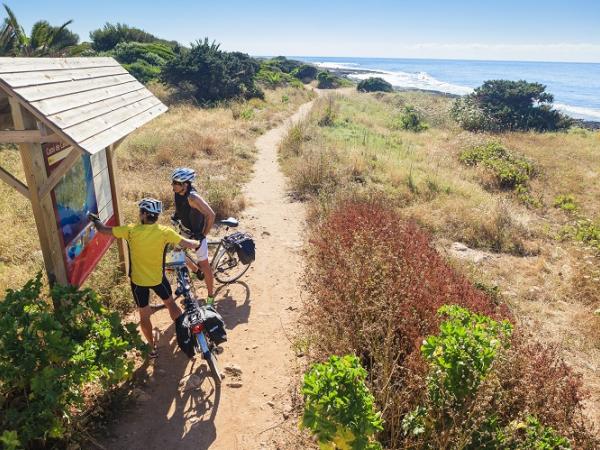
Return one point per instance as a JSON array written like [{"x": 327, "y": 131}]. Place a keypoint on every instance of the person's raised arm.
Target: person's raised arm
[
  {"x": 200, "y": 204},
  {"x": 104, "y": 229}
]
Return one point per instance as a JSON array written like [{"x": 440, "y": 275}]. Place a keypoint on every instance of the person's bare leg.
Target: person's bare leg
[
  {"x": 174, "y": 310},
  {"x": 146, "y": 324},
  {"x": 208, "y": 276}
]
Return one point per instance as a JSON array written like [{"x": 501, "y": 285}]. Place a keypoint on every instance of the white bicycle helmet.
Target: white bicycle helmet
[
  {"x": 183, "y": 174},
  {"x": 150, "y": 205}
]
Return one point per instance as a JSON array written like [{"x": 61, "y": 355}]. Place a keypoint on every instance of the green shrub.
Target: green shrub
[
  {"x": 338, "y": 407},
  {"x": 327, "y": 80},
  {"x": 566, "y": 202},
  {"x": 48, "y": 355},
  {"x": 459, "y": 358},
  {"x": 585, "y": 231},
  {"x": 461, "y": 354},
  {"x": 410, "y": 119},
  {"x": 530, "y": 434},
  {"x": 282, "y": 64},
  {"x": 143, "y": 71},
  {"x": 210, "y": 74},
  {"x": 273, "y": 77},
  {"x": 305, "y": 73},
  {"x": 509, "y": 171},
  {"x": 374, "y": 84},
  {"x": 503, "y": 105}
]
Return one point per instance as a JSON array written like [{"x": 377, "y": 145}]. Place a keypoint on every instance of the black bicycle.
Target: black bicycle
[{"x": 206, "y": 328}]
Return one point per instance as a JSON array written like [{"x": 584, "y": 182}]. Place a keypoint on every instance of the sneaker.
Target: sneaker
[{"x": 210, "y": 300}]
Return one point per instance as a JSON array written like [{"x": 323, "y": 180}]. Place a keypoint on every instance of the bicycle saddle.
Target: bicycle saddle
[{"x": 229, "y": 222}]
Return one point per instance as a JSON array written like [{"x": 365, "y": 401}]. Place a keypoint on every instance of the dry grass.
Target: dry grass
[
  {"x": 551, "y": 285},
  {"x": 212, "y": 141}
]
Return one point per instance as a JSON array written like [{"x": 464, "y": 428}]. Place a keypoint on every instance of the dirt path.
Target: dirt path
[{"x": 260, "y": 311}]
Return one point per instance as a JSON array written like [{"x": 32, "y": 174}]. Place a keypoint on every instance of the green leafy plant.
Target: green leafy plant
[
  {"x": 585, "y": 231},
  {"x": 461, "y": 355},
  {"x": 339, "y": 409},
  {"x": 509, "y": 171},
  {"x": 530, "y": 433},
  {"x": 410, "y": 119},
  {"x": 48, "y": 355},
  {"x": 566, "y": 202}
]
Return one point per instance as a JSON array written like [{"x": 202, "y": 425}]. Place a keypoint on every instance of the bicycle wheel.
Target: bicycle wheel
[
  {"x": 208, "y": 355},
  {"x": 214, "y": 369},
  {"x": 228, "y": 267}
]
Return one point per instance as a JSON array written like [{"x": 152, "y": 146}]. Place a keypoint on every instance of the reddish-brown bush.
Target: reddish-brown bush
[{"x": 376, "y": 284}]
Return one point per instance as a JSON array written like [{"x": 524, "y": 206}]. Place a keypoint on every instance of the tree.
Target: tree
[
  {"x": 109, "y": 36},
  {"x": 211, "y": 74},
  {"x": 306, "y": 73},
  {"x": 44, "y": 39},
  {"x": 327, "y": 80},
  {"x": 504, "y": 105},
  {"x": 374, "y": 84}
]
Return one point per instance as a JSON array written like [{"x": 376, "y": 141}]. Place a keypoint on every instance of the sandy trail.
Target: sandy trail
[{"x": 260, "y": 312}]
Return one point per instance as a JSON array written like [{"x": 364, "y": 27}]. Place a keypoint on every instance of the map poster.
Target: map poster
[{"x": 83, "y": 189}]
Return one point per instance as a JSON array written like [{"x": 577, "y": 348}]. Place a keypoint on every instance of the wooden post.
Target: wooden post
[
  {"x": 116, "y": 193},
  {"x": 36, "y": 175}
]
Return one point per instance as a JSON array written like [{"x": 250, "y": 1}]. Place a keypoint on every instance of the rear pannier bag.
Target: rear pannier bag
[
  {"x": 185, "y": 338},
  {"x": 214, "y": 325},
  {"x": 244, "y": 246}
]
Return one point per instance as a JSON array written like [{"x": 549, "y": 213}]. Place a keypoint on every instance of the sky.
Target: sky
[{"x": 549, "y": 30}]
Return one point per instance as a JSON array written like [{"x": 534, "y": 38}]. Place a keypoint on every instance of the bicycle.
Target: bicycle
[
  {"x": 196, "y": 315},
  {"x": 226, "y": 263}
]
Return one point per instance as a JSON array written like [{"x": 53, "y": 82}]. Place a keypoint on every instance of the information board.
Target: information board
[{"x": 83, "y": 189}]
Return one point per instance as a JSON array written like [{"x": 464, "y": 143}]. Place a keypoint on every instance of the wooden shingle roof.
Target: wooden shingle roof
[{"x": 89, "y": 102}]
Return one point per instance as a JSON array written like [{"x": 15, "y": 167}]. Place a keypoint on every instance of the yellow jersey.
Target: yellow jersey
[{"x": 147, "y": 244}]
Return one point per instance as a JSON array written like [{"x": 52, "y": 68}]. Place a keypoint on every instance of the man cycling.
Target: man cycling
[
  {"x": 147, "y": 245},
  {"x": 198, "y": 217}
]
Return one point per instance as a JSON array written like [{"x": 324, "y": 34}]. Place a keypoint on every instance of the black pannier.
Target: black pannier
[
  {"x": 244, "y": 246},
  {"x": 185, "y": 338},
  {"x": 214, "y": 325}
]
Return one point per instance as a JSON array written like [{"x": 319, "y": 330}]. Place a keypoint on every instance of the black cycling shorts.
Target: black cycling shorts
[{"x": 141, "y": 294}]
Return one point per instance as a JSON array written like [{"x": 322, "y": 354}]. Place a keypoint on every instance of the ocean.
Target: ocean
[{"x": 575, "y": 86}]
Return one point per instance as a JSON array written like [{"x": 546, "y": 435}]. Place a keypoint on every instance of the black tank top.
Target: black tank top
[{"x": 190, "y": 217}]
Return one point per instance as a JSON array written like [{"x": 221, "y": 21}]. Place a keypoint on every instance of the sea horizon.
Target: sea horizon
[{"x": 574, "y": 85}]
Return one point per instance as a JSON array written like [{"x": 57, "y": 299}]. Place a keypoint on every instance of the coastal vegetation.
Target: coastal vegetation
[
  {"x": 403, "y": 223},
  {"x": 374, "y": 84},
  {"x": 504, "y": 105}
]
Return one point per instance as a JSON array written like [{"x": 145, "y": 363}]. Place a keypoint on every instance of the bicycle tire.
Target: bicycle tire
[
  {"x": 214, "y": 368},
  {"x": 228, "y": 267}
]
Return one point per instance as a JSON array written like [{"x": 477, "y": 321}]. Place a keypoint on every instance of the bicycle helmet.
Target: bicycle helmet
[
  {"x": 150, "y": 205},
  {"x": 183, "y": 174}
]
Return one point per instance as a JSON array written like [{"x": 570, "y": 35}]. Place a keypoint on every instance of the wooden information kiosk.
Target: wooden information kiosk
[{"x": 68, "y": 115}]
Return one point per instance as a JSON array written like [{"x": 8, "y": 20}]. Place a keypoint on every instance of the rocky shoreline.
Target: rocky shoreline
[{"x": 346, "y": 73}]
